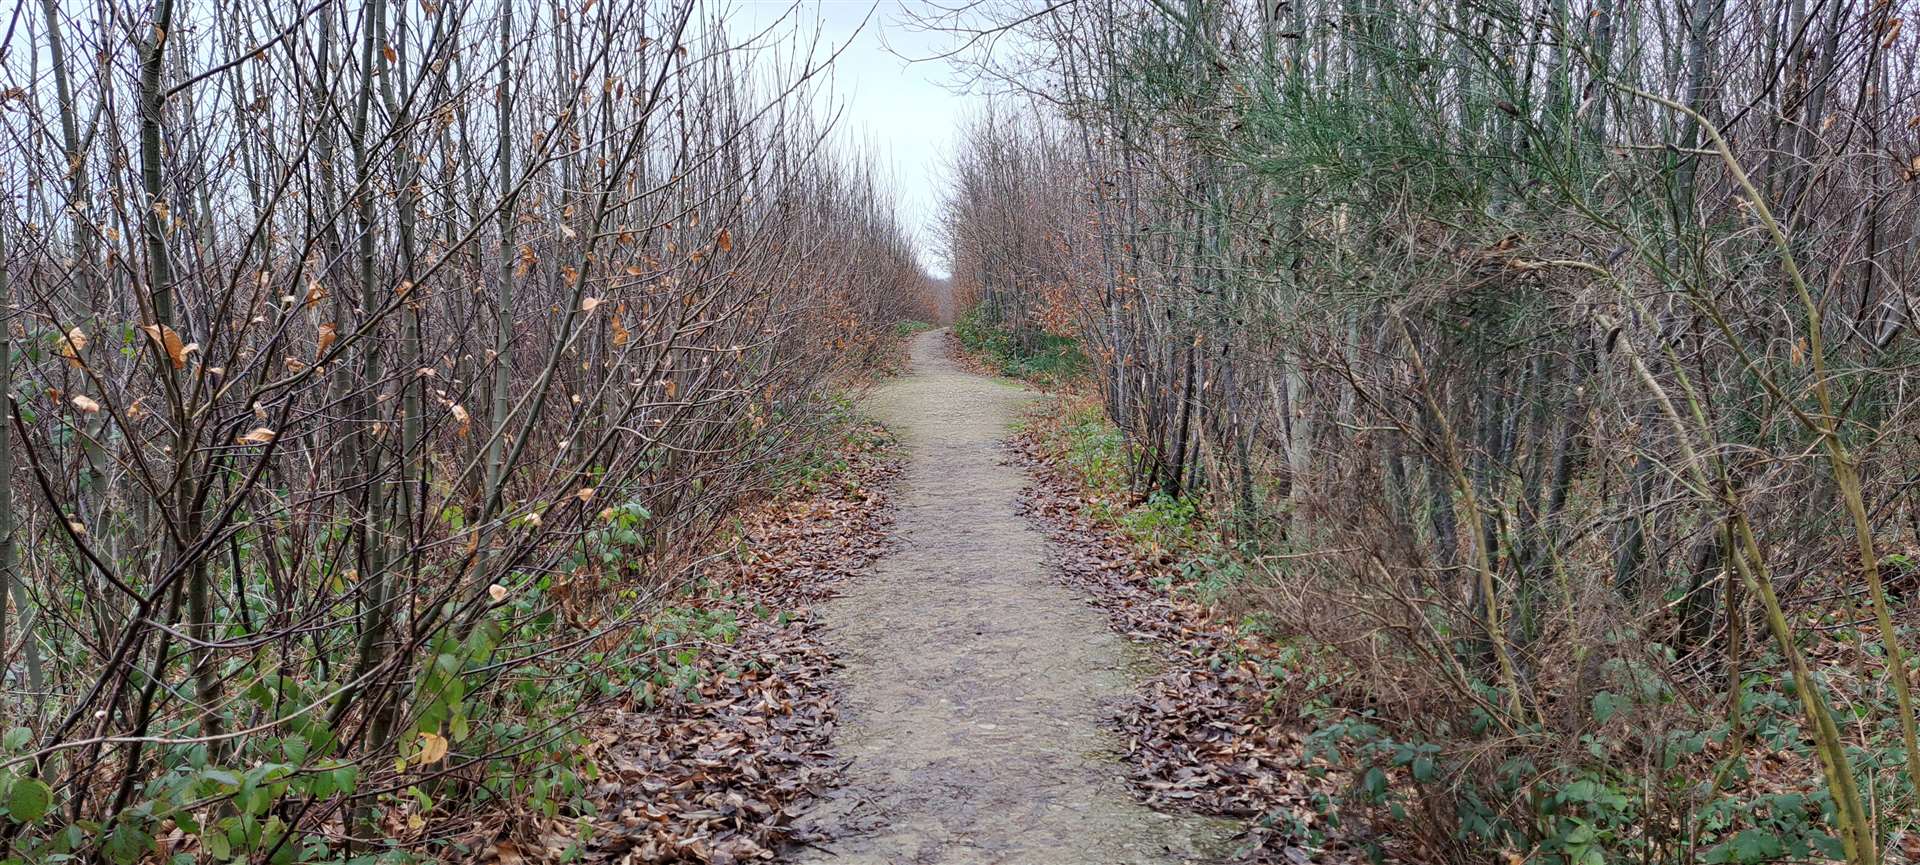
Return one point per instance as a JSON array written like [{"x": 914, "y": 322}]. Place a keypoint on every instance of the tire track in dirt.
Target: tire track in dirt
[{"x": 975, "y": 684}]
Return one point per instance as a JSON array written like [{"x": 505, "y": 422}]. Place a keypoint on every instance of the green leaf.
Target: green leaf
[
  {"x": 29, "y": 800},
  {"x": 16, "y": 738},
  {"x": 1374, "y": 782},
  {"x": 221, "y": 776},
  {"x": 127, "y": 845},
  {"x": 1750, "y": 846},
  {"x": 1605, "y": 705}
]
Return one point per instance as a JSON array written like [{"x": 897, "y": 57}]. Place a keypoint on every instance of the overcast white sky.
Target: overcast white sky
[{"x": 906, "y": 113}]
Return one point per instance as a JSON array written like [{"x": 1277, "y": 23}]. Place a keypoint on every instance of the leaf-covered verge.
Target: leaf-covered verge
[
  {"x": 717, "y": 754},
  {"x": 1256, "y": 717},
  {"x": 720, "y": 762},
  {"x": 703, "y": 738},
  {"x": 1201, "y": 736}
]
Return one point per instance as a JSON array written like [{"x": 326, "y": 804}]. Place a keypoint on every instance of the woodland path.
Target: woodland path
[{"x": 974, "y": 682}]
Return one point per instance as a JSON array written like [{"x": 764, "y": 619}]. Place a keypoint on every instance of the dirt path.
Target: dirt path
[{"x": 975, "y": 683}]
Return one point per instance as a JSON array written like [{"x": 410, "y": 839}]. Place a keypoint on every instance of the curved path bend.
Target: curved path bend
[{"x": 975, "y": 684}]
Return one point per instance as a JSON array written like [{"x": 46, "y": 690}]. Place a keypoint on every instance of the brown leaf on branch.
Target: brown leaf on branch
[
  {"x": 328, "y": 333},
  {"x": 433, "y": 748},
  {"x": 169, "y": 343},
  {"x": 71, "y": 345}
]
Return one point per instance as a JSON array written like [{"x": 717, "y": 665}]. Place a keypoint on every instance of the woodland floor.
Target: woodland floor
[{"x": 976, "y": 686}]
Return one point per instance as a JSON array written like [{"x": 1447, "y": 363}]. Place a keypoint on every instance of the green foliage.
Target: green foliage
[
  {"x": 1095, "y": 450},
  {"x": 1163, "y": 521},
  {"x": 846, "y": 431},
  {"x": 1580, "y": 813},
  {"x": 1029, "y": 355},
  {"x": 909, "y": 327}
]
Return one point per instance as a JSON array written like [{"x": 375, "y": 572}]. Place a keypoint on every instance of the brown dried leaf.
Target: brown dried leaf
[
  {"x": 433, "y": 748},
  {"x": 169, "y": 343},
  {"x": 71, "y": 344},
  {"x": 328, "y": 334}
]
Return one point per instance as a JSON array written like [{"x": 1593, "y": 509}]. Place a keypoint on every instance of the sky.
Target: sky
[{"x": 907, "y": 114}]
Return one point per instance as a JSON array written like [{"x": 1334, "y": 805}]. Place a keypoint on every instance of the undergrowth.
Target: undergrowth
[
  {"x": 518, "y": 751},
  {"x": 1649, "y": 773},
  {"x": 1037, "y": 355}
]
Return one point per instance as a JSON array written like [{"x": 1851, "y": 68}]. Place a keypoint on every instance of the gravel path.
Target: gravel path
[{"x": 975, "y": 683}]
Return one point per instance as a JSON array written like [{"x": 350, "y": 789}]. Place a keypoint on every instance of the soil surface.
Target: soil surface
[{"x": 976, "y": 683}]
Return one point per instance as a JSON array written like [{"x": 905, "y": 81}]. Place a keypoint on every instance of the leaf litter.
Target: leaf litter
[
  {"x": 723, "y": 771},
  {"x": 1197, "y": 737}
]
